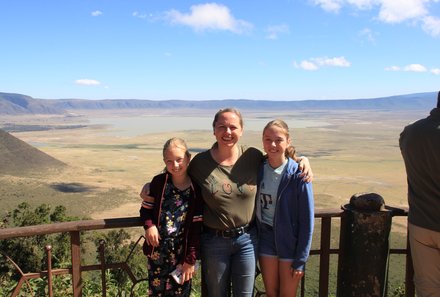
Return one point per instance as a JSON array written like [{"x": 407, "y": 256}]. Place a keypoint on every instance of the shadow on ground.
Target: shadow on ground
[{"x": 72, "y": 187}]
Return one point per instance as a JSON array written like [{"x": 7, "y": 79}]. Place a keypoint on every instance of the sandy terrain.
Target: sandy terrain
[
  {"x": 123, "y": 210},
  {"x": 353, "y": 152}
]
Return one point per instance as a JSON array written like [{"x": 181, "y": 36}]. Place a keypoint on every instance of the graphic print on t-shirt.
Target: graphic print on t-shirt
[{"x": 265, "y": 200}]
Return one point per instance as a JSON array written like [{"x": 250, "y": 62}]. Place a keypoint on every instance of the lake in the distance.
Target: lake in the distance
[{"x": 138, "y": 125}]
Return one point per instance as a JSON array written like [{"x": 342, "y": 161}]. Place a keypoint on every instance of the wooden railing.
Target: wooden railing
[
  {"x": 325, "y": 250},
  {"x": 326, "y": 217}
]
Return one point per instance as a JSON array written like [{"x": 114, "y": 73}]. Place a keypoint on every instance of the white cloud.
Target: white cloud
[
  {"x": 336, "y": 62},
  {"x": 210, "y": 16},
  {"x": 336, "y": 5},
  {"x": 96, "y": 13},
  {"x": 367, "y": 34},
  {"x": 391, "y": 11},
  {"x": 306, "y": 65},
  {"x": 431, "y": 25},
  {"x": 316, "y": 63},
  {"x": 415, "y": 68},
  {"x": 137, "y": 14},
  {"x": 393, "y": 68},
  {"x": 329, "y": 5},
  {"x": 274, "y": 31},
  {"x": 87, "y": 82},
  {"x": 363, "y": 4}
]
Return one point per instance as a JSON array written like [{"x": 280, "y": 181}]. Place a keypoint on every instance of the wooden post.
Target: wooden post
[
  {"x": 75, "y": 247},
  {"x": 364, "y": 248},
  {"x": 49, "y": 269},
  {"x": 103, "y": 267},
  {"x": 324, "y": 259},
  {"x": 409, "y": 273}
]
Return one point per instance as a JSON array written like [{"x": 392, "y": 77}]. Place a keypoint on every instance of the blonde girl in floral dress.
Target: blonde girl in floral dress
[{"x": 172, "y": 217}]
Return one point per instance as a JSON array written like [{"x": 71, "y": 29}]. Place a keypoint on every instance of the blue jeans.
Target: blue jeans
[{"x": 227, "y": 261}]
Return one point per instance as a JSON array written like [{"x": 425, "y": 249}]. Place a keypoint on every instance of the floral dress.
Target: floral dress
[{"x": 169, "y": 253}]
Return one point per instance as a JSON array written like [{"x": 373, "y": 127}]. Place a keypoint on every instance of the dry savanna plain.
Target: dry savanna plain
[
  {"x": 350, "y": 152},
  {"x": 110, "y": 155}
]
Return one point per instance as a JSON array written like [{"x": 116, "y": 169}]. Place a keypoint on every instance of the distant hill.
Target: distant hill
[
  {"x": 14, "y": 104},
  {"x": 16, "y": 156}
]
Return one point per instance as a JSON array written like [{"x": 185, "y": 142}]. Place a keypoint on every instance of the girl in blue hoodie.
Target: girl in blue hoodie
[{"x": 285, "y": 214}]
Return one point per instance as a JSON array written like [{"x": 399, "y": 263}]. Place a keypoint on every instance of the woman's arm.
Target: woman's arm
[{"x": 145, "y": 192}]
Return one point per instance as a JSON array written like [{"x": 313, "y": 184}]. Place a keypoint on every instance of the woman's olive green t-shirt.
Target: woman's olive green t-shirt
[{"x": 228, "y": 191}]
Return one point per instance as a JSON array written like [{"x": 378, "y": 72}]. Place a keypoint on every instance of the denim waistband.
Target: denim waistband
[{"x": 229, "y": 233}]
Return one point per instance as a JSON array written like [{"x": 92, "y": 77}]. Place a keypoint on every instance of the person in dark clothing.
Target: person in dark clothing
[{"x": 420, "y": 147}]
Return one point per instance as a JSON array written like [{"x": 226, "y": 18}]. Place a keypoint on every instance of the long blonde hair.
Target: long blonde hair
[{"x": 290, "y": 150}]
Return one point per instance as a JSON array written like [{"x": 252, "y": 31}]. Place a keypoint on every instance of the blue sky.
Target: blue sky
[{"x": 196, "y": 50}]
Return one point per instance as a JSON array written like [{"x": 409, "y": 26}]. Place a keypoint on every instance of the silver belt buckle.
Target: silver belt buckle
[{"x": 240, "y": 231}]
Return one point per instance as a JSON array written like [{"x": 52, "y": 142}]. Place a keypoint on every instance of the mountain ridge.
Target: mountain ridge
[{"x": 16, "y": 104}]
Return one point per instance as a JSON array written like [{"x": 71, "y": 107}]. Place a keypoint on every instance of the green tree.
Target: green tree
[
  {"x": 28, "y": 252},
  {"x": 120, "y": 248}
]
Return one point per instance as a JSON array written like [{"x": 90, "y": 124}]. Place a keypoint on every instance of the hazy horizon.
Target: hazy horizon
[{"x": 223, "y": 99}]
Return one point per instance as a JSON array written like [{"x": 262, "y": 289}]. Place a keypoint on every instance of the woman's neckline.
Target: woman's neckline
[{"x": 226, "y": 161}]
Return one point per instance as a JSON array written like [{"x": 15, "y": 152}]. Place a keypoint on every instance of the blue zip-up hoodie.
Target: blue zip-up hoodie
[{"x": 294, "y": 215}]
